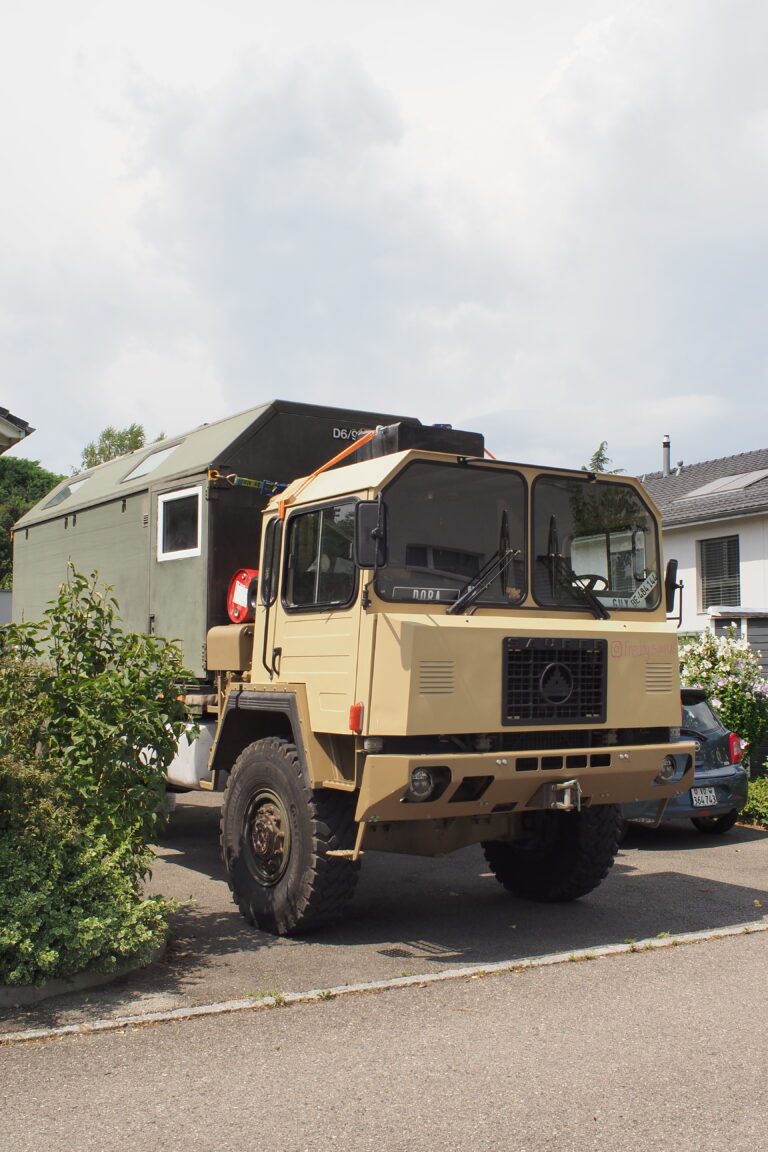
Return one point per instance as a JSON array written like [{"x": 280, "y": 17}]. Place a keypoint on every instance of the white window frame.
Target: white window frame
[{"x": 168, "y": 498}]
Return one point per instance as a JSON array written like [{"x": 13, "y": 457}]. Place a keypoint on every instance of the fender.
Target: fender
[{"x": 251, "y": 713}]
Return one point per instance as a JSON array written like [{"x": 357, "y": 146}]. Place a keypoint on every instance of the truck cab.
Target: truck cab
[{"x": 446, "y": 650}]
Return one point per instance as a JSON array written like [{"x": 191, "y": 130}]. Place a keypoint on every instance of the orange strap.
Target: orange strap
[
  {"x": 490, "y": 454},
  {"x": 282, "y": 504}
]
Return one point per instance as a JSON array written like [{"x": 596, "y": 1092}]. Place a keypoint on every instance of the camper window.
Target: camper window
[
  {"x": 149, "y": 463},
  {"x": 178, "y": 524},
  {"x": 62, "y": 494}
]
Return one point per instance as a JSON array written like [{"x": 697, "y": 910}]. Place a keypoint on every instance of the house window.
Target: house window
[
  {"x": 321, "y": 571},
  {"x": 179, "y": 516},
  {"x": 720, "y": 571}
]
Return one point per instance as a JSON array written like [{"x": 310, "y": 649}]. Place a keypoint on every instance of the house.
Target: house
[
  {"x": 715, "y": 518},
  {"x": 12, "y": 429}
]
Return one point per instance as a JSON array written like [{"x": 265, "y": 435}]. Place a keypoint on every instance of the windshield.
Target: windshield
[
  {"x": 593, "y": 540},
  {"x": 444, "y": 524}
]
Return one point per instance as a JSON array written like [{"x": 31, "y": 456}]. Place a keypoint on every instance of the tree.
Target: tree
[
  {"x": 113, "y": 442},
  {"x": 22, "y": 484},
  {"x": 600, "y": 461}
]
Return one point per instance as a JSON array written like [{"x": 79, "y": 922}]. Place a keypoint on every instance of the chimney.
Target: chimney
[{"x": 665, "y": 448}]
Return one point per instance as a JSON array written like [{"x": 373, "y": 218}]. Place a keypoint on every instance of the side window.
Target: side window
[
  {"x": 719, "y": 572},
  {"x": 320, "y": 570},
  {"x": 179, "y": 524},
  {"x": 270, "y": 561}
]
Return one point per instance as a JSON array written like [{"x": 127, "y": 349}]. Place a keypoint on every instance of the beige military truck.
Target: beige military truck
[
  {"x": 446, "y": 650},
  {"x": 439, "y": 649}
]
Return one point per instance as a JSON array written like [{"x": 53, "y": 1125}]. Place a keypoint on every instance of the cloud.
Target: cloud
[
  {"x": 323, "y": 270},
  {"x": 645, "y": 248},
  {"x": 182, "y": 241}
]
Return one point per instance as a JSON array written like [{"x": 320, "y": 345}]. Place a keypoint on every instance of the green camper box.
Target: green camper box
[{"x": 169, "y": 526}]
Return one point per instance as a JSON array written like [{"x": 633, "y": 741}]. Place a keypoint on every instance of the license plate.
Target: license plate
[{"x": 703, "y": 797}]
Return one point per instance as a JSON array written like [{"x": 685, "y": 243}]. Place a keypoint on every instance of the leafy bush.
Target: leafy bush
[
  {"x": 90, "y": 720},
  {"x": 69, "y": 902},
  {"x": 756, "y": 810},
  {"x": 728, "y": 669}
]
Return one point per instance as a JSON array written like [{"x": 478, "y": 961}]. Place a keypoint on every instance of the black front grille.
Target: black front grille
[{"x": 554, "y": 681}]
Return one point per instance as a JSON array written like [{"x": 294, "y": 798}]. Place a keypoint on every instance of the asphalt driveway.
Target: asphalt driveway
[{"x": 412, "y": 916}]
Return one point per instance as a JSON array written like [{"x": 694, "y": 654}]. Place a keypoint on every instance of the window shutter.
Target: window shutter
[{"x": 720, "y": 571}]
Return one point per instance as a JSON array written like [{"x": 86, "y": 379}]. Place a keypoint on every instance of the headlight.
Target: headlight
[
  {"x": 422, "y": 784},
  {"x": 426, "y": 784},
  {"x": 668, "y": 770}
]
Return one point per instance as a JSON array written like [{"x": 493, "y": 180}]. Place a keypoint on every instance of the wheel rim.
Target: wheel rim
[{"x": 267, "y": 837}]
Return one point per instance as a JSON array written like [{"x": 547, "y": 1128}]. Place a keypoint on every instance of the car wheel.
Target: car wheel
[{"x": 715, "y": 825}]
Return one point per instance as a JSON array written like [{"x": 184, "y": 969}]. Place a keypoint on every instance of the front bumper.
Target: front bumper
[
  {"x": 730, "y": 784},
  {"x": 512, "y": 781}
]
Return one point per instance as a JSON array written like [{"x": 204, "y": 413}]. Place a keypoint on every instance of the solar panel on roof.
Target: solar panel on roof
[{"x": 727, "y": 484}]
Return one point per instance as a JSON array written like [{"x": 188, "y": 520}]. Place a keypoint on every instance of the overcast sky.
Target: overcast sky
[{"x": 545, "y": 221}]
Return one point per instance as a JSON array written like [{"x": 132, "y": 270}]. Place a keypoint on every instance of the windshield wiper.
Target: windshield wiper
[
  {"x": 599, "y": 609},
  {"x": 568, "y": 579},
  {"x": 564, "y": 575},
  {"x": 495, "y": 567}
]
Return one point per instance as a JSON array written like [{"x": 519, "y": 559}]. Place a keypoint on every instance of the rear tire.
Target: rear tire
[
  {"x": 276, "y": 834},
  {"x": 715, "y": 825},
  {"x": 563, "y": 856}
]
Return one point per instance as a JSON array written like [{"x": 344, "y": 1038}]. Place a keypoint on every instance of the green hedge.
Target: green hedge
[
  {"x": 756, "y": 810},
  {"x": 81, "y": 702}
]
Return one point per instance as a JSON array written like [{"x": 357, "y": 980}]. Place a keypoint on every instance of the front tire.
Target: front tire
[
  {"x": 276, "y": 834},
  {"x": 562, "y": 856}
]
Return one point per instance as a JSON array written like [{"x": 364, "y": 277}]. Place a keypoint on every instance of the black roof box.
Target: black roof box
[{"x": 428, "y": 438}]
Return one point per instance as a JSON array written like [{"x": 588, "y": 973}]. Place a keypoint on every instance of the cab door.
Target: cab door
[{"x": 315, "y": 625}]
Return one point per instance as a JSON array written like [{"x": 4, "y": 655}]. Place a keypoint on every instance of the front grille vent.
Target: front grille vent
[
  {"x": 436, "y": 677},
  {"x": 659, "y": 677},
  {"x": 554, "y": 681}
]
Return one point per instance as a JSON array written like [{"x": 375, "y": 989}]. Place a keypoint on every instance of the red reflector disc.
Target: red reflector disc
[{"x": 241, "y": 597}]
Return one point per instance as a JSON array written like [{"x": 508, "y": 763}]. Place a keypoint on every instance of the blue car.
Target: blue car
[{"x": 719, "y": 790}]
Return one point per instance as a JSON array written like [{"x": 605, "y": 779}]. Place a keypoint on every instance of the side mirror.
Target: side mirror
[
  {"x": 270, "y": 562},
  {"x": 370, "y": 534},
  {"x": 670, "y": 585}
]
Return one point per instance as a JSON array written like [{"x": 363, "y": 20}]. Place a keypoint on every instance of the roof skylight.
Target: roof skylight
[
  {"x": 149, "y": 463},
  {"x": 65, "y": 492}
]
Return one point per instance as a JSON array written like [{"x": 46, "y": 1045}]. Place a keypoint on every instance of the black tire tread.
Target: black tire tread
[
  {"x": 715, "y": 825},
  {"x": 327, "y": 884},
  {"x": 580, "y": 858}
]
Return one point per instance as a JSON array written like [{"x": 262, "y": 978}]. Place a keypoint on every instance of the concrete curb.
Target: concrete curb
[
  {"x": 474, "y": 971},
  {"x": 21, "y": 995}
]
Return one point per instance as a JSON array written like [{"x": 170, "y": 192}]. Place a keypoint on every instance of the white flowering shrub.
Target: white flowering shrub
[{"x": 729, "y": 671}]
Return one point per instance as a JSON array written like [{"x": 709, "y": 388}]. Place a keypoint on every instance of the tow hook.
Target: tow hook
[
  {"x": 564, "y": 795},
  {"x": 570, "y": 791}
]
